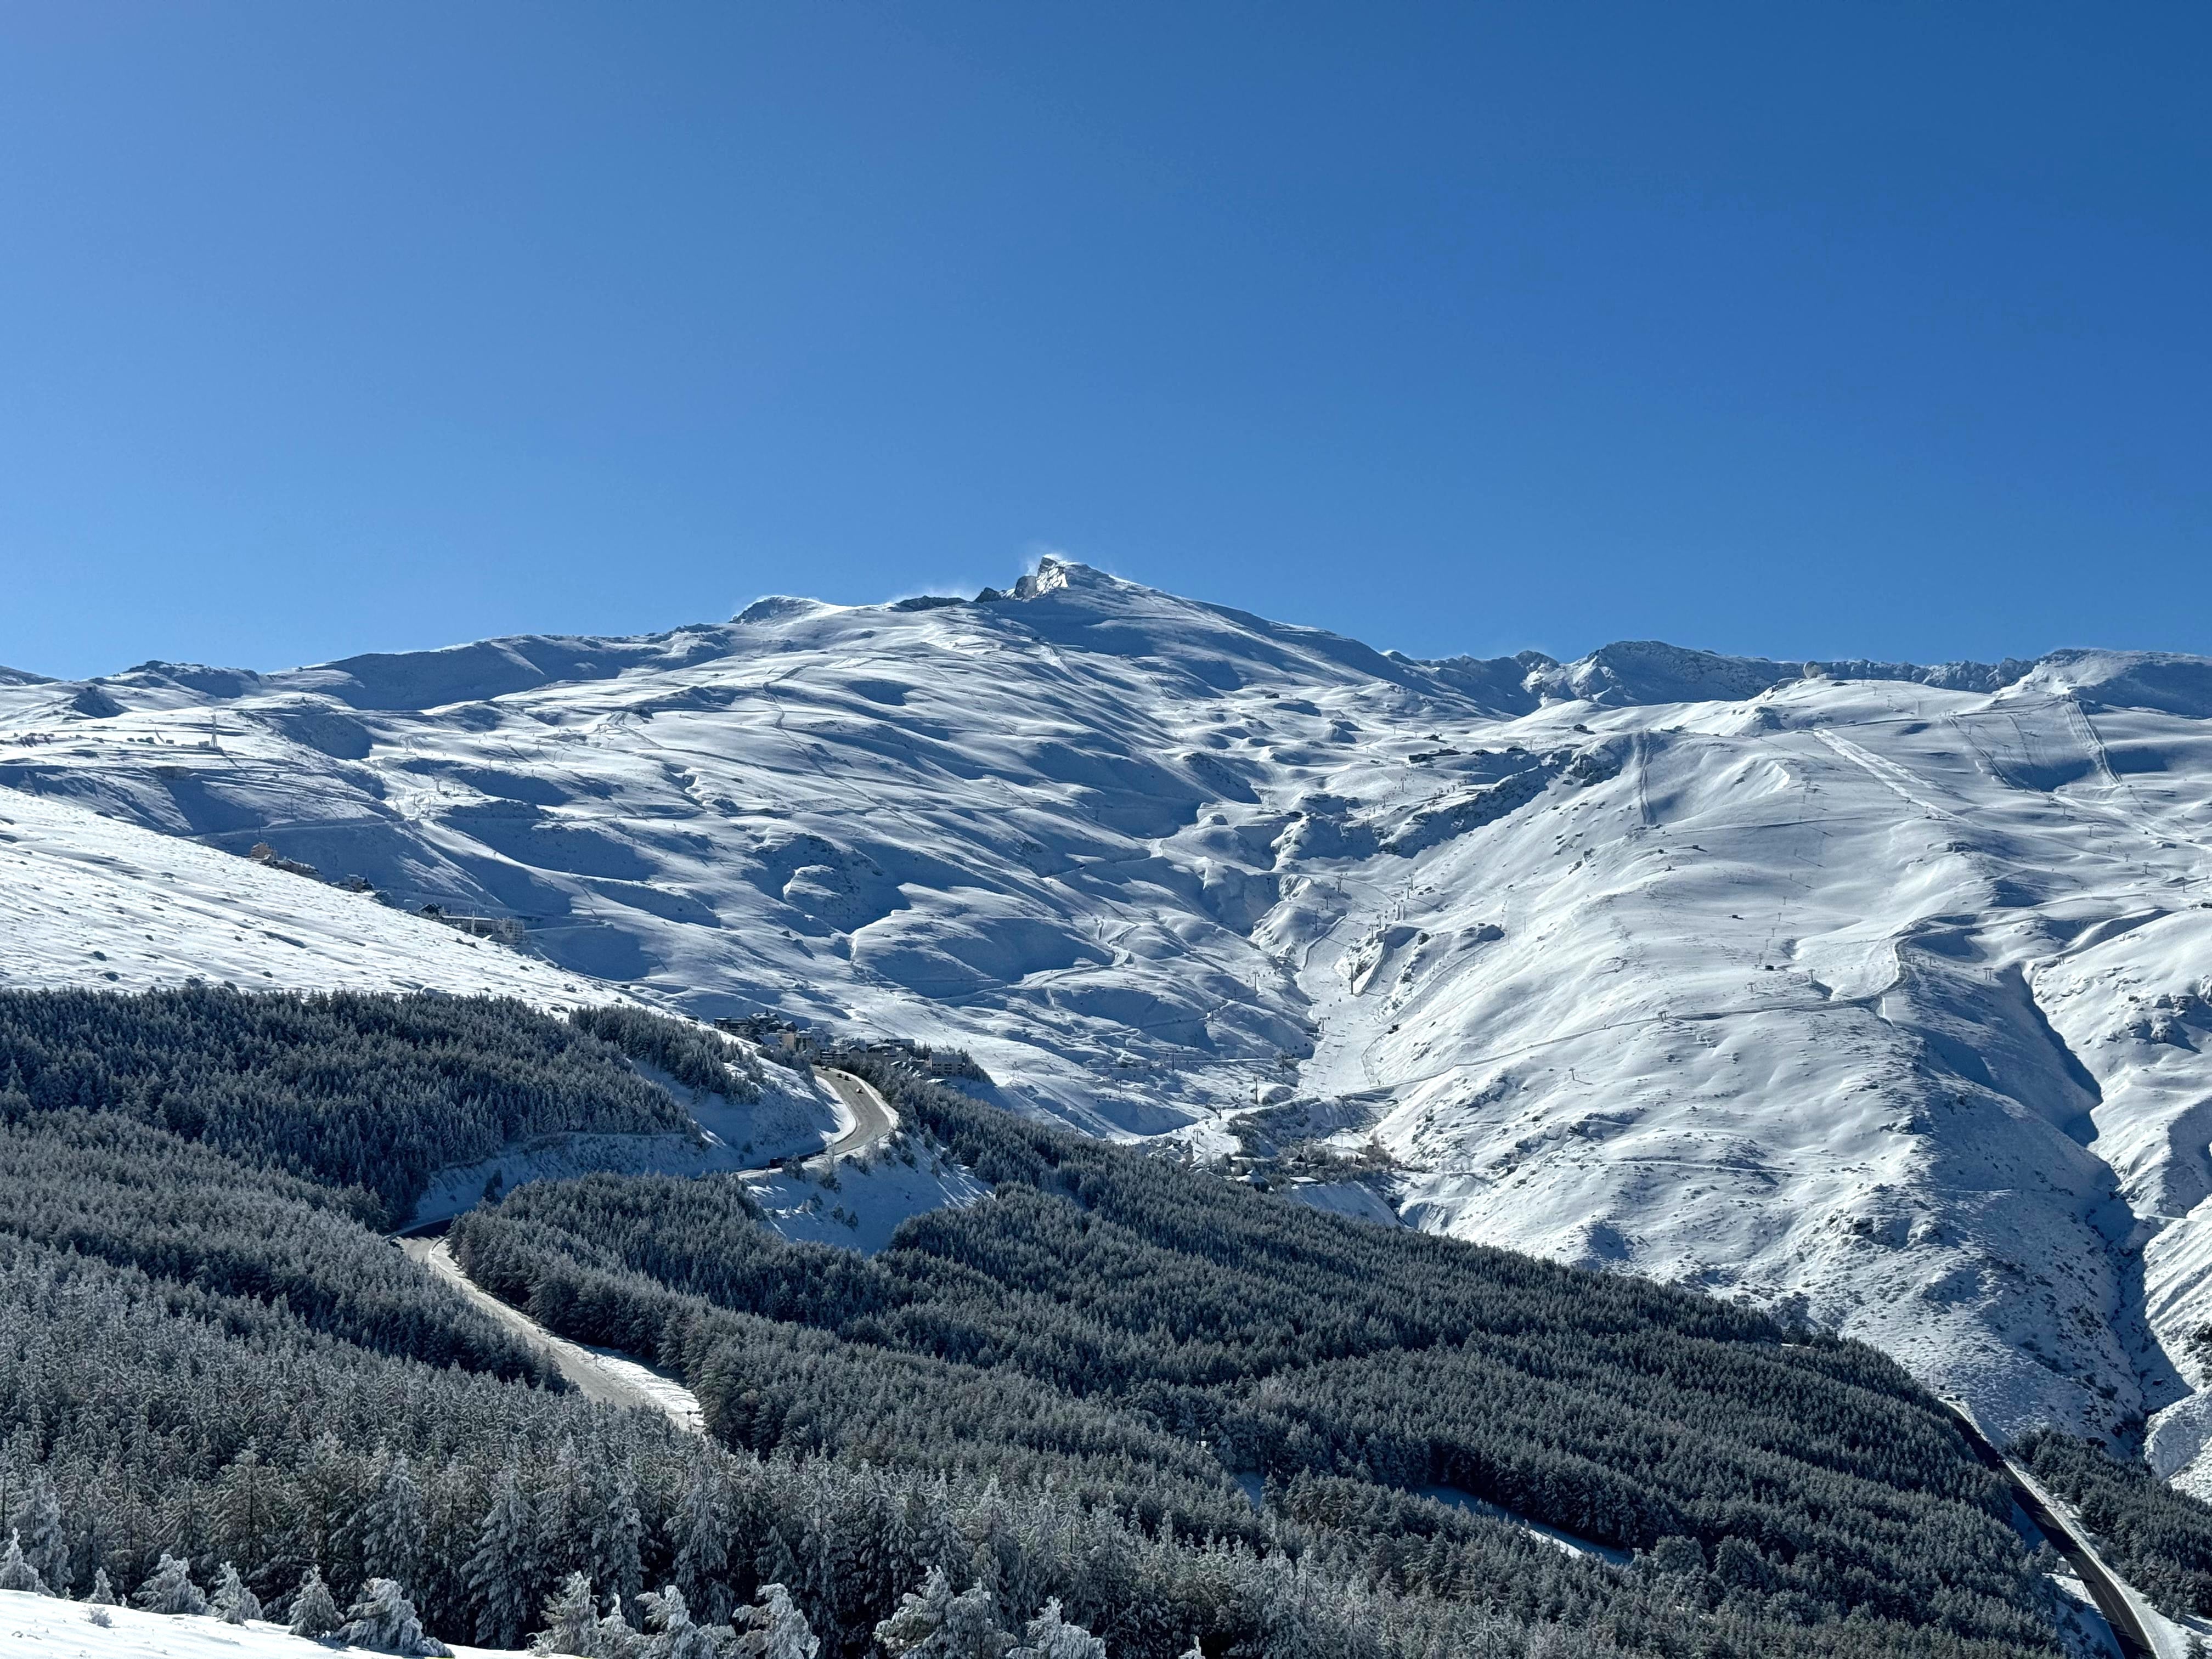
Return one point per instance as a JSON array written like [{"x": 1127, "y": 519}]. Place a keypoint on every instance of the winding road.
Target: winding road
[
  {"x": 615, "y": 1378},
  {"x": 2141, "y": 1632},
  {"x": 598, "y": 1373},
  {"x": 873, "y": 1117}
]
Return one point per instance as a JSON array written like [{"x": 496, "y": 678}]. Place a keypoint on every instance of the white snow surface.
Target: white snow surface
[
  {"x": 875, "y": 1192},
  {"x": 88, "y": 900},
  {"x": 1347, "y": 1198},
  {"x": 1874, "y": 993},
  {"x": 46, "y": 1627}
]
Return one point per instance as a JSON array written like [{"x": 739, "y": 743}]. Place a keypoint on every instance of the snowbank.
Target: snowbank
[{"x": 43, "y": 1627}]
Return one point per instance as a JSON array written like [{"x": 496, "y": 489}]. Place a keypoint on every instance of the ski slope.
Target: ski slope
[
  {"x": 1872, "y": 992},
  {"x": 89, "y": 900}
]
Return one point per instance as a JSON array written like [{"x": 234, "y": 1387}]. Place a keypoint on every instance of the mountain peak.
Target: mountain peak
[
  {"x": 778, "y": 607},
  {"x": 1051, "y": 575}
]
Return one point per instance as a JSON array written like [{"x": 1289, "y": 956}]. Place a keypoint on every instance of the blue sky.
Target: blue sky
[{"x": 1851, "y": 330}]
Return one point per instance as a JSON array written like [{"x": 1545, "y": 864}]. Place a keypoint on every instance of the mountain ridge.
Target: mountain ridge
[
  {"x": 1872, "y": 994},
  {"x": 1623, "y": 672}
]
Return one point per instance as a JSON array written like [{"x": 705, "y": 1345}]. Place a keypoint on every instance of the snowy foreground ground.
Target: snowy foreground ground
[
  {"x": 1877, "y": 995},
  {"x": 43, "y": 1626}
]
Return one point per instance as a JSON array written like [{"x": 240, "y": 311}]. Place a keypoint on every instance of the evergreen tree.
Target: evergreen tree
[
  {"x": 569, "y": 1619},
  {"x": 393, "y": 1527},
  {"x": 314, "y": 1612},
  {"x": 1050, "y": 1637},
  {"x": 233, "y": 1601},
  {"x": 698, "y": 1534},
  {"x": 103, "y": 1593},
  {"x": 921, "y": 1613},
  {"x": 171, "y": 1589},
  {"x": 777, "y": 1629},
  {"x": 561, "y": 1526},
  {"x": 246, "y": 1509},
  {"x": 615, "y": 1533},
  {"x": 383, "y": 1619},
  {"x": 613, "y": 1639},
  {"x": 674, "y": 1634},
  {"x": 574, "y": 1628},
  {"x": 935, "y": 1624},
  {"x": 46, "y": 1538},
  {"x": 499, "y": 1574},
  {"x": 16, "y": 1573}
]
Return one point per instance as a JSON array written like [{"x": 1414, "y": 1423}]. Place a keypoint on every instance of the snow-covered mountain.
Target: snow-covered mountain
[{"x": 1873, "y": 991}]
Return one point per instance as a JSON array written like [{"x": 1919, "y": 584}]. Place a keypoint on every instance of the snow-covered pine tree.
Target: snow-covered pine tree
[
  {"x": 233, "y": 1603},
  {"x": 103, "y": 1593},
  {"x": 499, "y": 1573},
  {"x": 391, "y": 1526},
  {"x": 674, "y": 1634},
  {"x": 327, "y": 1505},
  {"x": 383, "y": 1619},
  {"x": 560, "y": 1505},
  {"x": 314, "y": 1611},
  {"x": 569, "y": 1619},
  {"x": 972, "y": 1630},
  {"x": 18, "y": 1457},
  {"x": 920, "y": 1615},
  {"x": 774, "y": 1562},
  {"x": 45, "y": 1539},
  {"x": 698, "y": 1534},
  {"x": 1051, "y": 1636},
  {"x": 613, "y": 1639},
  {"x": 935, "y": 1624},
  {"x": 775, "y": 1628},
  {"x": 616, "y": 1531},
  {"x": 246, "y": 1517},
  {"x": 171, "y": 1589},
  {"x": 16, "y": 1573}
]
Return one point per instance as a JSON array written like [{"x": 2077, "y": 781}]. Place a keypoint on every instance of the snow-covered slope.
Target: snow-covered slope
[
  {"x": 46, "y": 1627},
  {"x": 1872, "y": 991},
  {"x": 91, "y": 901}
]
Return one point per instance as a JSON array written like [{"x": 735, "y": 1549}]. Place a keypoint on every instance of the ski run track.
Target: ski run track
[{"x": 1877, "y": 995}]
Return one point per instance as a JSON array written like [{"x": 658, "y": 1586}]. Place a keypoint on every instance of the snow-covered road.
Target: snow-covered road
[
  {"x": 618, "y": 1378},
  {"x": 599, "y": 1373}
]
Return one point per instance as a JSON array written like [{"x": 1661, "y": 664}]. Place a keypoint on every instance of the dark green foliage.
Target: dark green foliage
[
  {"x": 697, "y": 1059},
  {"x": 111, "y": 1188},
  {"x": 203, "y": 1353},
  {"x": 169, "y": 1418},
  {"x": 773, "y": 1388},
  {"x": 2159, "y": 1538},
  {"x": 355, "y": 1089},
  {"x": 1178, "y": 1310}
]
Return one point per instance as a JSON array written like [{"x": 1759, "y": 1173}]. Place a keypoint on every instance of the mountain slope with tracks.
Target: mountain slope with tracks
[{"x": 1872, "y": 992}]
